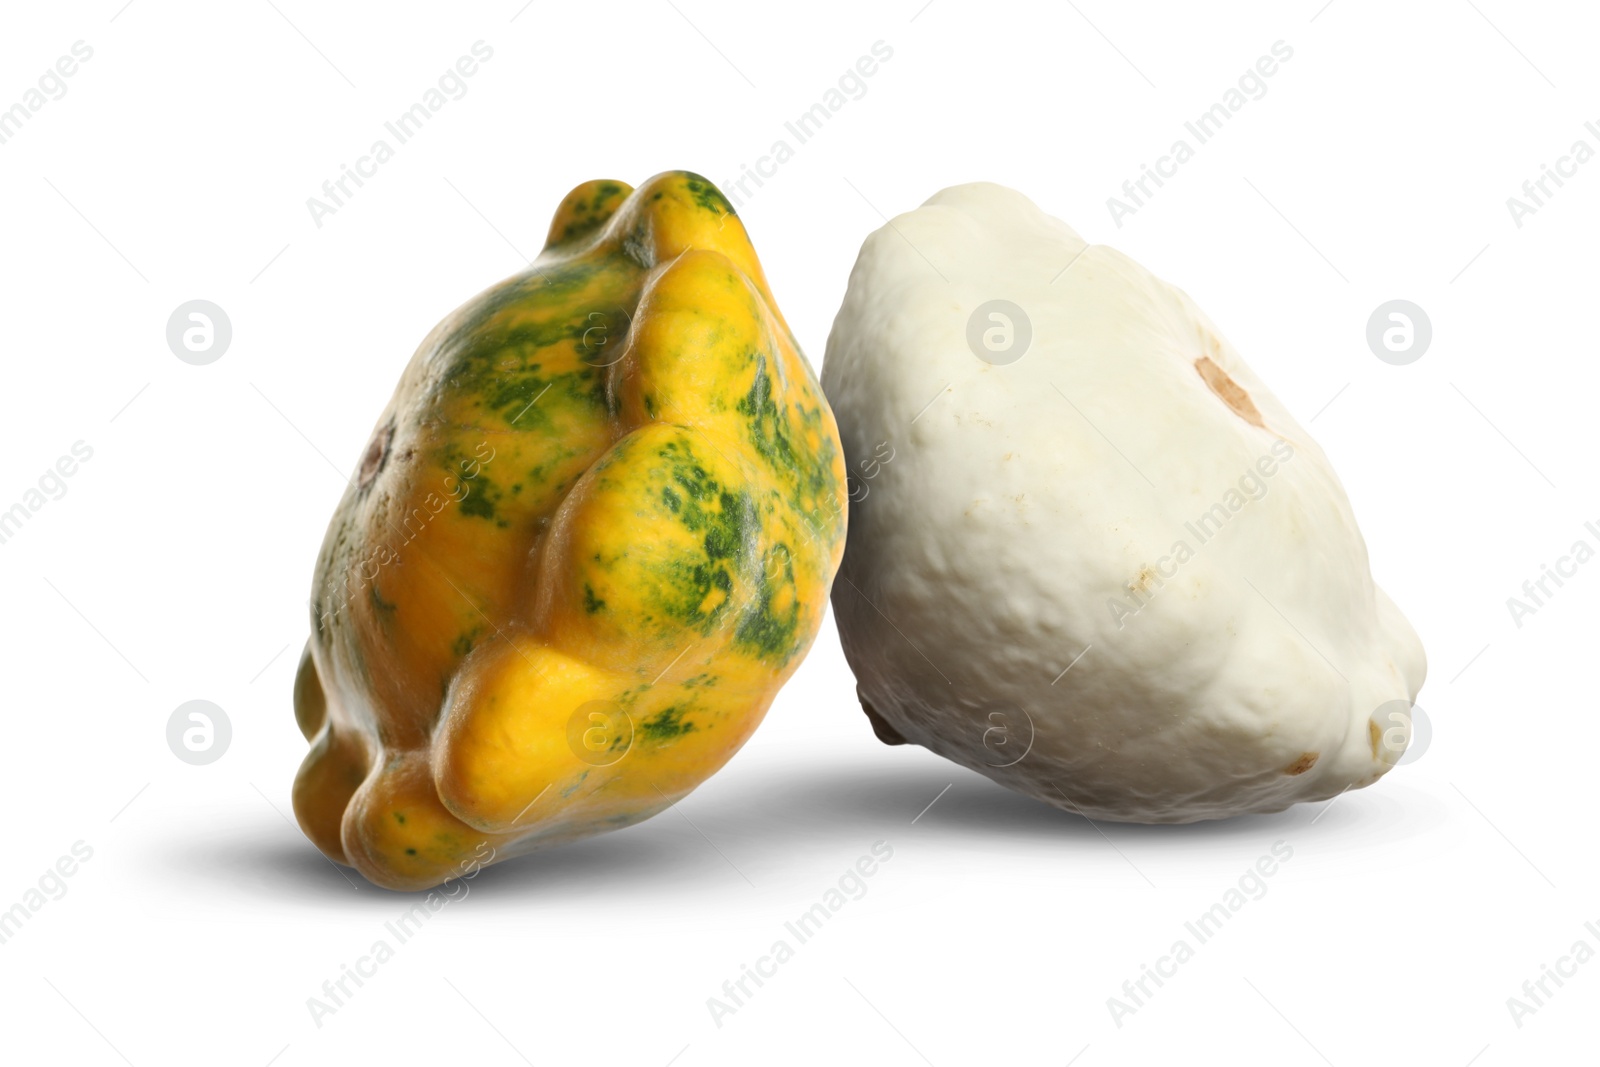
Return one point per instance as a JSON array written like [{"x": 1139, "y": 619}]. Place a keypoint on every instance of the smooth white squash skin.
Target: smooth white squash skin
[{"x": 1027, "y": 499}]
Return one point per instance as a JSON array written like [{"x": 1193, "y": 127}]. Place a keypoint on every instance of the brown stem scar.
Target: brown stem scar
[{"x": 1229, "y": 391}]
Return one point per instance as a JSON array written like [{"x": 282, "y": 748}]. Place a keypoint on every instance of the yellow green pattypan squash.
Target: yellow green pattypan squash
[{"x": 592, "y": 535}]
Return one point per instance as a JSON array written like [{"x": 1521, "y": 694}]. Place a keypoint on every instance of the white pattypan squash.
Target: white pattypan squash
[{"x": 1090, "y": 555}]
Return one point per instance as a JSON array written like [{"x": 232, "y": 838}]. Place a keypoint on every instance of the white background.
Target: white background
[{"x": 1377, "y": 166}]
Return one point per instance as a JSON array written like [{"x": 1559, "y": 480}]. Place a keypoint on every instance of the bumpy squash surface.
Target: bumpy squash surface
[{"x": 592, "y": 536}]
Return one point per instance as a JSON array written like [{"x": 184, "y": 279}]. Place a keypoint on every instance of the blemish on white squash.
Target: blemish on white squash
[
  {"x": 1229, "y": 391},
  {"x": 1306, "y": 761}
]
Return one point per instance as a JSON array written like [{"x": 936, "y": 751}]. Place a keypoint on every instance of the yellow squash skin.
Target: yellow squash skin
[{"x": 592, "y": 536}]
